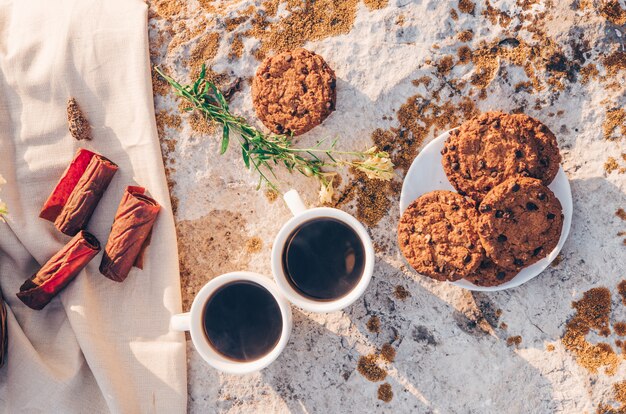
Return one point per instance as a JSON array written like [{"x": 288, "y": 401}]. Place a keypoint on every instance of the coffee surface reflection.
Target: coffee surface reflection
[
  {"x": 242, "y": 321},
  {"x": 323, "y": 259}
]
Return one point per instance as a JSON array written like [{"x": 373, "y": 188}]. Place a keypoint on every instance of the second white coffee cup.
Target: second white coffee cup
[
  {"x": 302, "y": 215},
  {"x": 192, "y": 321}
]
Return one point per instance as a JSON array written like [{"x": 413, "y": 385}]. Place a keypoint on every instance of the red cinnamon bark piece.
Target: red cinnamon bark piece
[
  {"x": 130, "y": 234},
  {"x": 59, "y": 271},
  {"x": 78, "y": 192}
]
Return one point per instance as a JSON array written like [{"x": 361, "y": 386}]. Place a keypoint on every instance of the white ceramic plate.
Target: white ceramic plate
[{"x": 426, "y": 174}]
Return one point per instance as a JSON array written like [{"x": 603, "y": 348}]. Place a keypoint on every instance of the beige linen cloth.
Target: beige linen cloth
[{"x": 99, "y": 346}]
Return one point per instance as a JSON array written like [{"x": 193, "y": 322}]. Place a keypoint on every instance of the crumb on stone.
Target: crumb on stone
[
  {"x": 620, "y": 328},
  {"x": 466, "y": 6},
  {"x": 376, "y": 4},
  {"x": 373, "y": 201},
  {"x": 615, "y": 118},
  {"x": 613, "y": 12},
  {"x": 388, "y": 353},
  {"x": 592, "y": 312},
  {"x": 594, "y": 309},
  {"x": 557, "y": 260},
  {"x": 464, "y": 54},
  {"x": 588, "y": 72},
  {"x": 465, "y": 35},
  {"x": 401, "y": 293},
  {"x": 236, "y": 47},
  {"x": 621, "y": 289},
  {"x": 611, "y": 165},
  {"x": 615, "y": 62},
  {"x": 254, "y": 245},
  {"x": 514, "y": 340},
  {"x": 271, "y": 195},
  {"x": 314, "y": 21},
  {"x": 368, "y": 367},
  {"x": 385, "y": 392},
  {"x": 619, "y": 395},
  {"x": 424, "y": 80},
  {"x": 373, "y": 324},
  {"x": 445, "y": 64}
]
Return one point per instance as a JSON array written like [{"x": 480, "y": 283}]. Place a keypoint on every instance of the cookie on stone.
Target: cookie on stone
[
  {"x": 489, "y": 274},
  {"x": 437, "y": 236},
  {"x": 520, "y": 222},
  {"x": 495, "y": 146},
  {"x": 294, "y": 91}
]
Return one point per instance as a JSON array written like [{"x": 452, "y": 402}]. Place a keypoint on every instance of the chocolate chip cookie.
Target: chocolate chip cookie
[
  {"x": 520, "y": 222},
  {"x": 294, "y": 91},
  {"x": 495, "y": 146},
  {"x": 490, "y": 274},
  {"x": 438, "y": 238}
]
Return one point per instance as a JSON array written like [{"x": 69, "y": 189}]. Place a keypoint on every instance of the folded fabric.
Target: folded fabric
[
  {"x": 130, "y": 234},
  {"x": 78, "y": 192},
  {"x": 98, "y": 346},
  {"x": 59, "y": 271}
]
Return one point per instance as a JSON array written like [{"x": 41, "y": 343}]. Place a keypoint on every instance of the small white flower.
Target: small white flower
[
  {"x": 377, "y": 166},
  {"x": 3, "y": 205},
  {"x": 3, "y": 210},
  {"x": 326, "y": 191}
]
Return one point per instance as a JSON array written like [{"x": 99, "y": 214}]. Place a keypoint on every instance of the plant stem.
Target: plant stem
[{"x": 260, "y": 151}]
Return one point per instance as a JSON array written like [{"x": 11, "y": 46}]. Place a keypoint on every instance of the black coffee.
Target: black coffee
[
  {"x": 242, "y": 321},
  {"x": 324, "y": 259}
]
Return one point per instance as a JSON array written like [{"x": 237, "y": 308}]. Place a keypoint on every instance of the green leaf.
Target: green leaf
[
  {"x": 225, "y": 139},
  {"x": 196, "y": 86},
  {"x": 244, "y": 153},
  {"x": 198, "y": 82},
  {"x": 219, "y": 96}
]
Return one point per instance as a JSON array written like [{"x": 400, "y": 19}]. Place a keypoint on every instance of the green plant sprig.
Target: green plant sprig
[{"x": 262, "y": 152}]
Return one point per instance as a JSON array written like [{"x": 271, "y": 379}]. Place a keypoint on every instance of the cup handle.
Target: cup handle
[
  {"x": 294, "y": 202},
  {"x": 181, "y": 322}
]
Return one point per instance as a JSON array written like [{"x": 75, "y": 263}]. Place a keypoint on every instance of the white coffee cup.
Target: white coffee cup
[
  {"x": 301, "y": 215},
  {"x": 192, "y": 321}
]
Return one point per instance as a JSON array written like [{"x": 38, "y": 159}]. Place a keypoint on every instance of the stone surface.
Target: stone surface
[{"x": 406, "y": 70}]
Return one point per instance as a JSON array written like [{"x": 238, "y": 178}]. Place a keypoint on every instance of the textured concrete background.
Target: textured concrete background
[{"x": 406, "y": 71}]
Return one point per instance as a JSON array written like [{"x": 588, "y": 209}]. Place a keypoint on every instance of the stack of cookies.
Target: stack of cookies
[{"x": 503, "y": 218}]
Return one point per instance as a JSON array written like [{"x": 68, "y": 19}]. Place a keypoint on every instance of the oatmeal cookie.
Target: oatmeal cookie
[
  {"x": 490, "y": 274},
  {"x": 520, "y": 222},
  {"x": 294, "y": 91},
  {"x": 495, "y": 146},
  {"x": 437, "y": 236}
]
